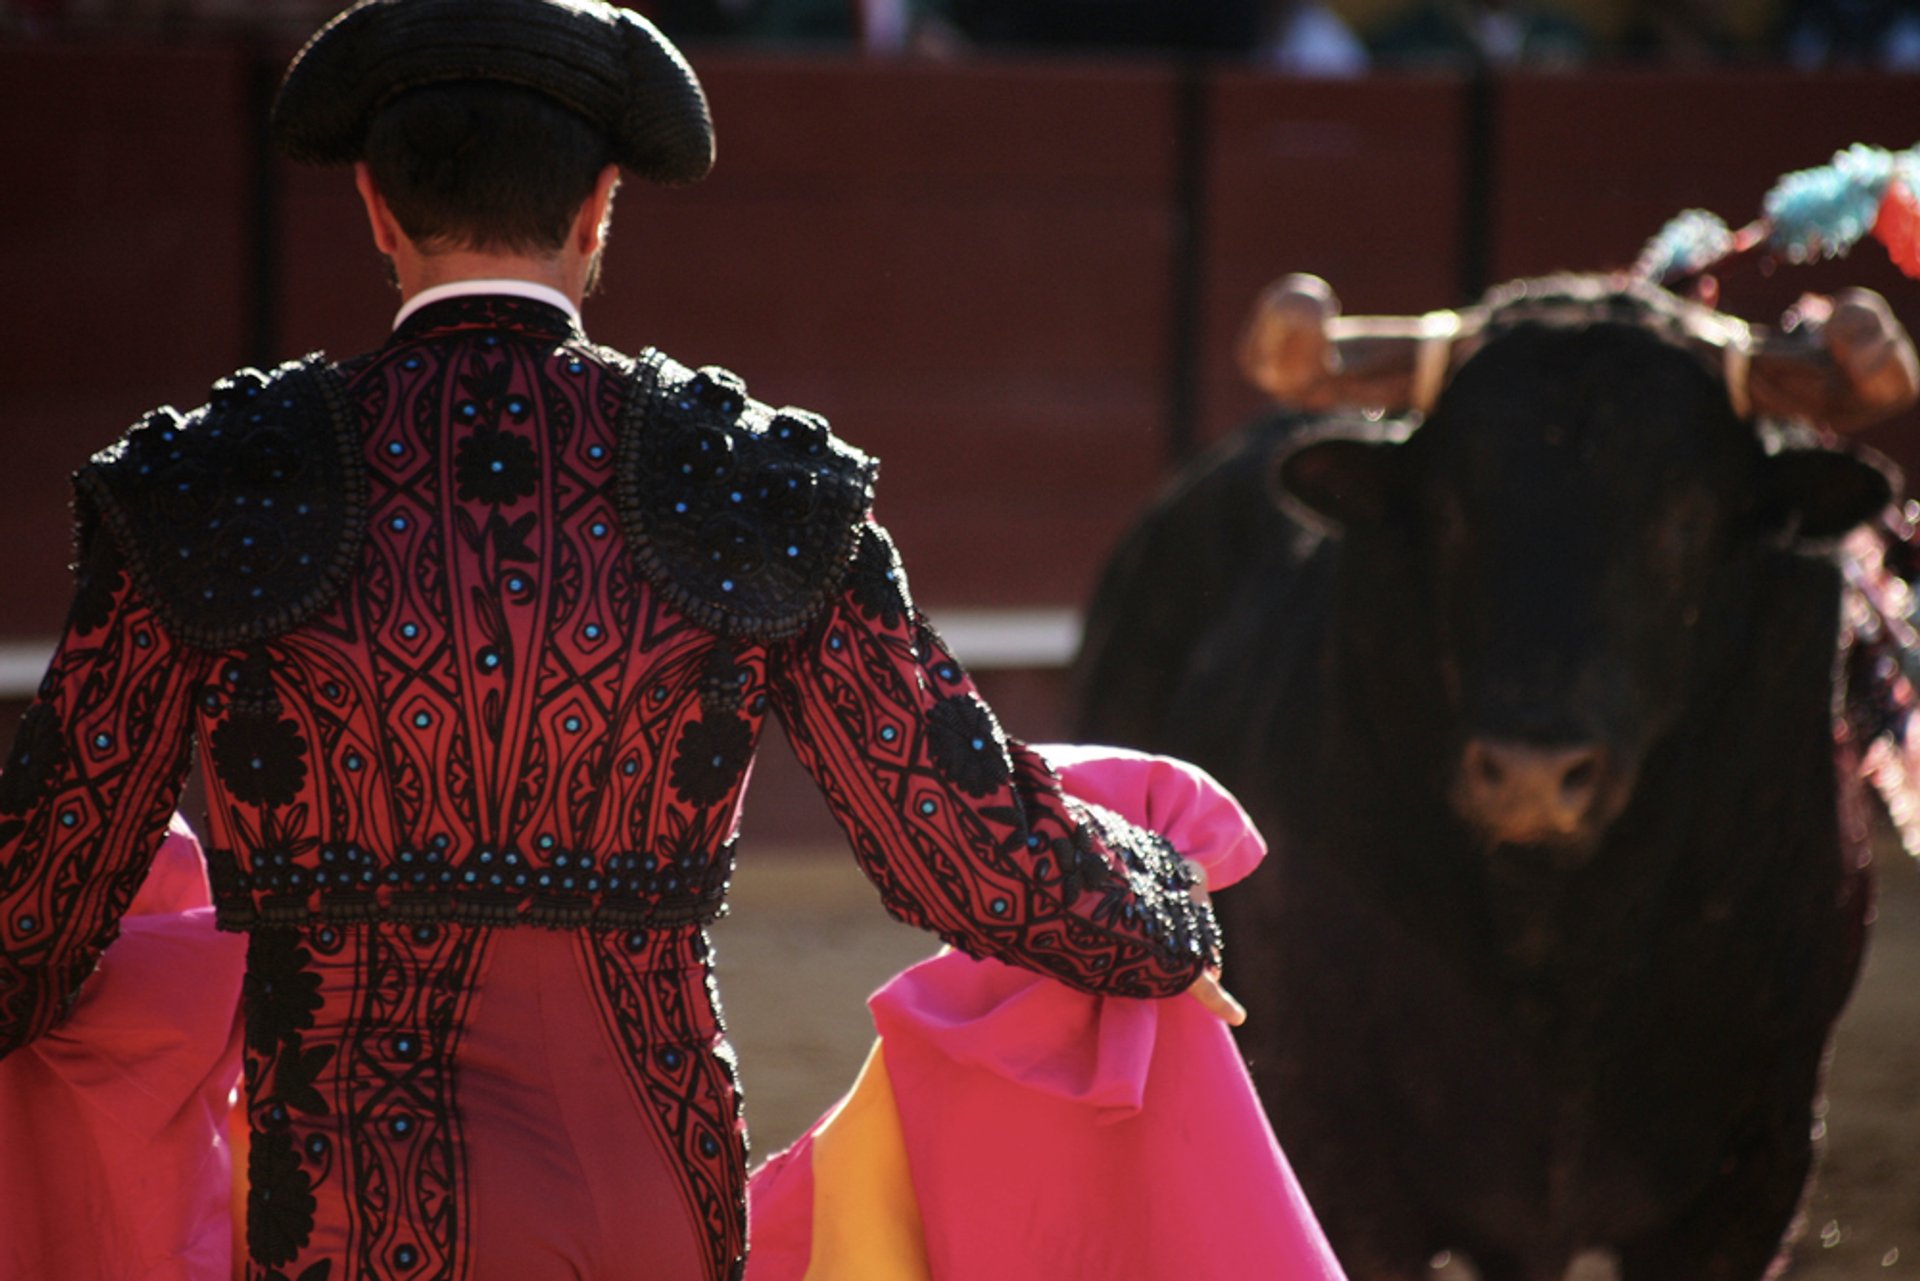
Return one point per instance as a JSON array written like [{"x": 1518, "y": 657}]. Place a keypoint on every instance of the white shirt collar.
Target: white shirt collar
[{"x": 502, "y": 285}]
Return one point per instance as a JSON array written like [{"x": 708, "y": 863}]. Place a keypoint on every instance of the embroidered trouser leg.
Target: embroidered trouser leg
[{"x": 461, "y": 1103}]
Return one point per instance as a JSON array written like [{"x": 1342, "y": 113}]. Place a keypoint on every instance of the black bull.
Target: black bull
[{"x": 1536, "y": 709}]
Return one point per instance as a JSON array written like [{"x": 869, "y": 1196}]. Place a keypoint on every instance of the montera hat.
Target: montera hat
[{"x": 607, "y": 64}]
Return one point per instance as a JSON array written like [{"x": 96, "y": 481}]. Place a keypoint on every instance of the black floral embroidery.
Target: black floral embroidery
[
  {"x": 1083, "y": 868},
  {"x": 968, "y": 745},
  {"x": 876, "y": 581},
  {"x": 268, "y": 455},
  {"x": 496, "y": 467},
  {"x": 101, "y": 577},
  {"x": 781, "y": 500},
  {"x": 279, "y": 993},
  {"x": 261, "y": 760},
  {"x": 279, "y": 458},
  {"x": 39, "y": 751},
  {"x": 280, "y": 1202},
  {"x": 1151, "y": 890},
  {"x": 250, "y": 685},
  {"x": 710, "y": 759},
  {"x": 723, "y": 681},
  {"x": 321, "y": 1271},
  {"x": 296, "y": 1073}
]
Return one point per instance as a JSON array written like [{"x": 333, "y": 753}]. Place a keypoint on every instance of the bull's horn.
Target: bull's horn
[
  {"x": 1845, "y": 363},
  {"x": 1301, "y": 351}
]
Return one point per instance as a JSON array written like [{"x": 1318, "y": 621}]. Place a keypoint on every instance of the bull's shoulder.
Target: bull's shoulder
[
  {"x": 240, "y": 519},
  {"x": 1210, "y": 524},
  {"x": 743, "y": 516},
  {"x": 1173, "y": 582}
]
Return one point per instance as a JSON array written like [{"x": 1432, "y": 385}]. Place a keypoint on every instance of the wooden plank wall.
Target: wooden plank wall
[
  {"x": 1358, "y": 186},
  {"x": 124, "y": 234}
]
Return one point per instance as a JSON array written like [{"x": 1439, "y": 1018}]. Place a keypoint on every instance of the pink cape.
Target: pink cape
[
  {"x": 115, "y": 1164},
  {"x": 1054, "y": 1134}
]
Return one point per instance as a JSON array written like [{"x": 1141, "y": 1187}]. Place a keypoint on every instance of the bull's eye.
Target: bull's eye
[
  {"x": 1449, "y": 517},
  {"x": 1681, "y": 538},
  {"x": 1687, "y": 530}
]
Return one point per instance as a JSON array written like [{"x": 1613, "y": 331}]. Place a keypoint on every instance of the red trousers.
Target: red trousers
[{"x": 467, "y": 1103}]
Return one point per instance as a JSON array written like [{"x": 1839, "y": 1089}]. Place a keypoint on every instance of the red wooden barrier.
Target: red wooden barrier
[
  {"x": 1358, "y": 182},
  {"x": 124, "y": 248}
]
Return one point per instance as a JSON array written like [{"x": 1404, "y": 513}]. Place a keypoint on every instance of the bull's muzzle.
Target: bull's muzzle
[{"x": 1532, "y": 794}]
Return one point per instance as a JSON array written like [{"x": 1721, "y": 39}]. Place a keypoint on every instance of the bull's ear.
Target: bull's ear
[
  {"x": 1335, "y": 482},
  {"x": 1823, "y": 493}
]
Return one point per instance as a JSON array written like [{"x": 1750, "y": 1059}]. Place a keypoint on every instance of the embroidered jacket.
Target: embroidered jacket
[{"x": 484, "y": 626}]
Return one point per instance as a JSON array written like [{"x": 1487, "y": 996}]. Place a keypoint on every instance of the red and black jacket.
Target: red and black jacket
[{"x": 484, "y": 626}]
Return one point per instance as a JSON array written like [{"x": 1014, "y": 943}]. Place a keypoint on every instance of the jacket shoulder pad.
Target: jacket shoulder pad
[
  {"x": 745, "y": 516},
  {"x": 240, "y": 519}
]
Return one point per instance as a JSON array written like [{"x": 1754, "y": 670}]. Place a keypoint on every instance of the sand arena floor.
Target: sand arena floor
[{"x": 807, "y": 941}]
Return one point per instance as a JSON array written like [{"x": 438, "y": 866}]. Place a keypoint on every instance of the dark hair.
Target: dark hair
[{"x": 480, "y": 165}]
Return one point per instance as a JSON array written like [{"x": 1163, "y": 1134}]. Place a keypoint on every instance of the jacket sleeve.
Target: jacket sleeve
[
  {"x": 87, "y": 793},
  {"x": 965, "y": 831}
]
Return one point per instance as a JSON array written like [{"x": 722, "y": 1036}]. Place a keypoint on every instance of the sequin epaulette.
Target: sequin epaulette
[
  {"x": 240, "y": 519},
  {"x": 744, "y": 516}
]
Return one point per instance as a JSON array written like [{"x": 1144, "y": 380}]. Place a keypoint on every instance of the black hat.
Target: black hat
[{"x": 609, "y": 65}]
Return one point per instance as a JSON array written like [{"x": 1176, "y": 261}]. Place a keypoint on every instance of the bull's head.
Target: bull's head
[{"x": 1583, "y": 493}]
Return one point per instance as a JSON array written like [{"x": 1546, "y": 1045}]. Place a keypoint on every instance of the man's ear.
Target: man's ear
[
  {"x": 590, "y": 224},
  {"x": 380, "y": 220}
]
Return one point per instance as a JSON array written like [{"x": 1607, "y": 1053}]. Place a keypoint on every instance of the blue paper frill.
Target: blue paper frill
[
  {"x": 1690, "y": 242},
  {"x": 1822, "y": 213}
]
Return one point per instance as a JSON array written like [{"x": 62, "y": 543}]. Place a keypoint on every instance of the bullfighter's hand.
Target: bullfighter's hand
[
  {"x": 1846, "y": 362},
  {"x": 1207, "y": 989},
  {"x": 1874, "y": 351},
  {"x": 1218, "y": 1001}
]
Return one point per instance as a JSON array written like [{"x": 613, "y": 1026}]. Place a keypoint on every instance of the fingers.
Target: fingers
[
  {"x": 1845, "y": 361},
  {"x": 1216, "y": 1000},
  {"x": 1874, "y": 350}
]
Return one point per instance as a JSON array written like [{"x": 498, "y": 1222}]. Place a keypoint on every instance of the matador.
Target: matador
[{"x": 475, "y": 635}]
